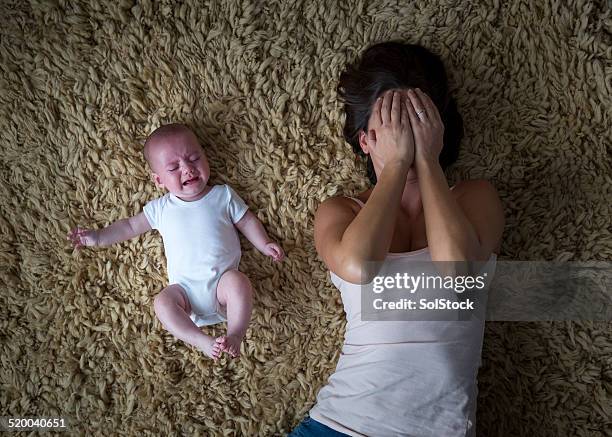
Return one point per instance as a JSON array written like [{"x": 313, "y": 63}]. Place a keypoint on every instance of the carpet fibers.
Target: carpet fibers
[{"x": 84, "y": 82}]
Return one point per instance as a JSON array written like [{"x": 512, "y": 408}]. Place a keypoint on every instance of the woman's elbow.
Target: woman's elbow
[{"x": 357, "y": 271}]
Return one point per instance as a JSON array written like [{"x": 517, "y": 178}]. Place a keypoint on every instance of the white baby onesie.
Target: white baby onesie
[{"x": 201, "y": 243}]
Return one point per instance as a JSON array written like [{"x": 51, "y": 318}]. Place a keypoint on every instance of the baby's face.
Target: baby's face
[{"x": 180, "y": 165}]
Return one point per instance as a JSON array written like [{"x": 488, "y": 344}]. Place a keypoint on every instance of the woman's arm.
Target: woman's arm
[
  {"x": 466, "y": 229},
  {"x": 481, "y": 205},
  {"x": 451, "y": 237},
  {"x": 347, "y": 241}
]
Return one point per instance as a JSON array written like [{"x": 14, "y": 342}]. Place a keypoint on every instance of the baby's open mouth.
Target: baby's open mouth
[{"x": 191, "y": 181}]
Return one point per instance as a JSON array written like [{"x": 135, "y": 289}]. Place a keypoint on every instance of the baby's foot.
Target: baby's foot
[
  {"x": 210, "y": 347},
  {"x": 230, "y": 344}
]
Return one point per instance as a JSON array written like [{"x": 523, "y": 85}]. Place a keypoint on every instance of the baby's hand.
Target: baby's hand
[
  {"x": 275, "y": 251},
  {"x": 83, "y": 237}
]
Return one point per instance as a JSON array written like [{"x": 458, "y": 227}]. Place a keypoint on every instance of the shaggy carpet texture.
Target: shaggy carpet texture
[{"x": 84, "y": 82}]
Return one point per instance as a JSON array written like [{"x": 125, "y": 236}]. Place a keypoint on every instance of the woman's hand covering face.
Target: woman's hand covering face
[
  {"x": 397, "y": 134},
  {"x": 390, "y": 138},
  {"x": 427, "y": 126}
]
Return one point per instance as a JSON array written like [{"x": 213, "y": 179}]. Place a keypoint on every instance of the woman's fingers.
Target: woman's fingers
[
  {"x": 396, "y": 107},
  {"x": 429, "y": 106},
  {"x": 385, "y": 112},
  {"x": 419, "y": 107},
  {"x": 371, "y": 139},
  {"x": 414, "y": 119},
  {"x": 376, "y": 116},
  {"x": 405, "y": 118}
]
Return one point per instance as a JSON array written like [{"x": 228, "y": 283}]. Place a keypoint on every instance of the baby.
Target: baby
[{"x": 197, "y": 223}]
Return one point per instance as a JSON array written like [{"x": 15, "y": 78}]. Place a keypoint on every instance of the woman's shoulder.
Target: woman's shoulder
[
  {"x": 473, "y": 187},
  {"x": 342, "y": 206},
  {"x": 479, "y": 201},
  {"x": 477, "y": 194}
]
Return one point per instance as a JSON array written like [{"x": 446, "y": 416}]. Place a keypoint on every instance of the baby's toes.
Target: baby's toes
[{"x": 221, "y": 342}]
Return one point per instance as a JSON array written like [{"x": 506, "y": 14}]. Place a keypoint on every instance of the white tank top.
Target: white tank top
[{"x": 403, "y": 378}]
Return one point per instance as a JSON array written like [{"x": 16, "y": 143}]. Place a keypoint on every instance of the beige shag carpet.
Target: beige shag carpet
[{"x": 83, "y": 82}]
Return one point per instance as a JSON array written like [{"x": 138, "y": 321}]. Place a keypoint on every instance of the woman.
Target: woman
[{"x": 414, "y": 378}]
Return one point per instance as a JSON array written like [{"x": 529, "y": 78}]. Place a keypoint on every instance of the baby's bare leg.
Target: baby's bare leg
[
  {"x": 173, "y": 309},
  {"x": 234, "y": 292}
]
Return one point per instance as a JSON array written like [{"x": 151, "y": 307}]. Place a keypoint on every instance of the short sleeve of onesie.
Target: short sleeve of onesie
[
  {"x": 236, "y": 207},
  {"x": 152, "y": 211}
]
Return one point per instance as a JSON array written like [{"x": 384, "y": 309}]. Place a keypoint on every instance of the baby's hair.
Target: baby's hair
[
  {"x": 165, "y": 130},
  {"x": 391, "y": 65}
]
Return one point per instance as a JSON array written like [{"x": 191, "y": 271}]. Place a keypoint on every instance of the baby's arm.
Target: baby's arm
[
  {"x": 251, "y": 227},
  {"x": 119, "y": 231}
]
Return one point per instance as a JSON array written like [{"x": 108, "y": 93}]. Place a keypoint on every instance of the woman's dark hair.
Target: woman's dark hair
[{"x": 393, "y": 65}]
